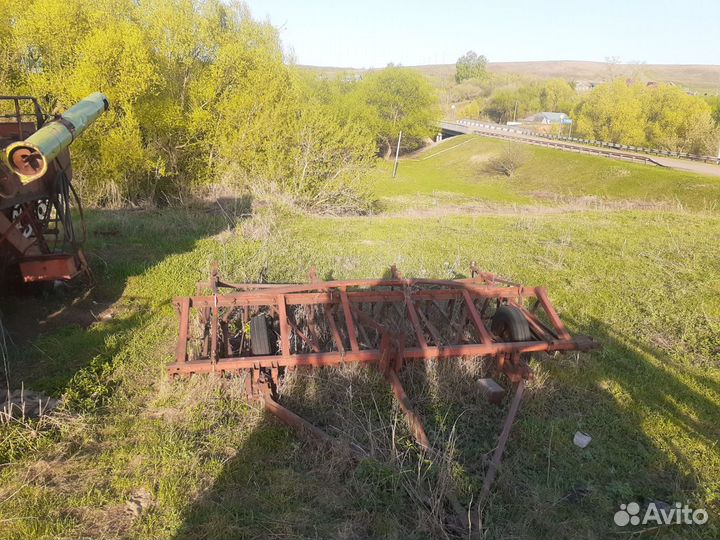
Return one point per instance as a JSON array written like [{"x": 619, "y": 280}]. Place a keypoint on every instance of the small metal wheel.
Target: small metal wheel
[
  {"x": 259, "y": 335},
  {"x": 509, "y": 324}
]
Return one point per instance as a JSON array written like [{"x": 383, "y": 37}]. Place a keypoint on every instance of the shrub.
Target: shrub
[{"x": 512, "y": 157}]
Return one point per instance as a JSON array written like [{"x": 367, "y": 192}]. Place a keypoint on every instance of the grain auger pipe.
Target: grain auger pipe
[{"x": 38, "y": 239}]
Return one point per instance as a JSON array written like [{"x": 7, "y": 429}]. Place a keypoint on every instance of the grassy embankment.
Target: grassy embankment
[{"x": 628, "y": 252}]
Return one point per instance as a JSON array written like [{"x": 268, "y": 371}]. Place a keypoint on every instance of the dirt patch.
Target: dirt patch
[
  {"x": 24, "y": 403},
  {"x": 480, "y": 158},
  {"x": 113, "y": 521},
  {"x": 109, "y": 521}
]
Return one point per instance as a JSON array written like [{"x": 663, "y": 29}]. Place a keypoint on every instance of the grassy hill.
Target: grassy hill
[
  {"x": 628, "y": 252},
  {"x": 455, "y": 173}
]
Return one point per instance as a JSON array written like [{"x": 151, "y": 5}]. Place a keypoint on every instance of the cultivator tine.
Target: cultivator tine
[
  {"x": 502, "y": 442},
  {"x": 390, "y": 317},
  {"x": 292, "y": 419},
  {"x": 214, "y": 335},
  {"x": 442, "y": 311},
  {"x": 414, "y": 422},
  {"x": 362, "y": 316},
  {"x": 361, "y": 329},
  {"x": 313, "y": 325}
]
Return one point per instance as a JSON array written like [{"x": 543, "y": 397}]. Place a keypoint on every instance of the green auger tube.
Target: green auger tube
[{"x": 29, "y": 159}]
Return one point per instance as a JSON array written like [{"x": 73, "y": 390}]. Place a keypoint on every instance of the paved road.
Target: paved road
[{"x": 626, "y": 155}]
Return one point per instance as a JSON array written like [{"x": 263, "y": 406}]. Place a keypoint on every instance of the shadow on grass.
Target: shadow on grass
[
  {"x": 645, "y": 424},
  {"x": 55, "y": 332}
]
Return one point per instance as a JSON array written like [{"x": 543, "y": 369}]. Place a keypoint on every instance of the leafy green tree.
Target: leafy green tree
[
  {"x": 661, "y": 117},
  {"x": 557, "y": 95},
  {"x": 10, "y": 59},
  {"x": 677, "y": 121},
  {"x": 614, "y": 112},
  {"x": 714, "y": 102},
  {"x": 470, "y": 66},
  {"x": 501, "y": 105},
  {"x": 201, "y": 93},
  {"x": 514, "y": 103},
  {"x": 398, "y": 99}
]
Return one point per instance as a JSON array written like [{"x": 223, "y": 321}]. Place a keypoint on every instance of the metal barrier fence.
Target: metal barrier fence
[
  {"x": 602, "y": 144},
  {"x": 614, "y": 154}
]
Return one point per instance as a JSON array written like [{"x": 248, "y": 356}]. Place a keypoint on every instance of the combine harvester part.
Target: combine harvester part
[
  {"x": 385, "y": 322},
  {"x": 29, "y": 159},
  {"x": 38, "y": 241}
]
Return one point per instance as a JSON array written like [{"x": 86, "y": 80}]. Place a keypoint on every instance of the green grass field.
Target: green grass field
[{"x": 628, "y": 253}]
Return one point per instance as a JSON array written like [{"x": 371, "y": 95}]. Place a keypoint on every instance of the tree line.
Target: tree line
[
  {"x": 202, "y": 94},
  {"x": 619, "y": 111}
]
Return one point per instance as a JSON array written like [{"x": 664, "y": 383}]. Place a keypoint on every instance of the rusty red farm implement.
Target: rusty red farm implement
[
  {"x": 38, "y": 239},
  {"x": 264, "y": 329}
]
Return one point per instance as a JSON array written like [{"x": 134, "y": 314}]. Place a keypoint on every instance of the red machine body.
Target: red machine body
[{"x": 38, "y": 241}]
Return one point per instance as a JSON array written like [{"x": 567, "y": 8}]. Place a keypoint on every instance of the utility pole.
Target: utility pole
[
  {"x": 515, "y": 111},
  {"x": 397, "y": 155}
]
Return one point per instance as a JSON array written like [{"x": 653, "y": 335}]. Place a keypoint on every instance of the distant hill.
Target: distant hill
[
  {"x": 700, "y": 78},
  {"x": 696, "y": 77}
]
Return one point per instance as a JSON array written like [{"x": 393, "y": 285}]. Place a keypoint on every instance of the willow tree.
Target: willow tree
[
  {"x": 677, "y": 121},
  {"x": 614, "y": 112},
  {"x": 399, "y": 99}
]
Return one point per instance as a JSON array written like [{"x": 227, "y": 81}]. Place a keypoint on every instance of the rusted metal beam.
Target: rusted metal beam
[
  {"x": 372, "y": 355},
  {"x": 541, "y": 295},
  {"x": 502, "y": 442},
  {"x": 337, "y": 338},
  {"x": 485, "y": 336},
  {"x": 284, "y": 327},
  {"x": 414, "y": 422},
  {"x": 293, "y": 419},
  {"x": 181, "y": 351},
  {"x": 415, "y": 322},
  {"x": 303, "y": 297},
  {"x": 349, "y": 323}
]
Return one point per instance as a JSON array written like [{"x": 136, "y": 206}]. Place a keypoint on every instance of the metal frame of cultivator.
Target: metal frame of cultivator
[{"x": 264, "y": 329}]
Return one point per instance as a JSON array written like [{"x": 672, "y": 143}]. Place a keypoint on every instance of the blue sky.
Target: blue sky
[{"x": 372, "y": 33}]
